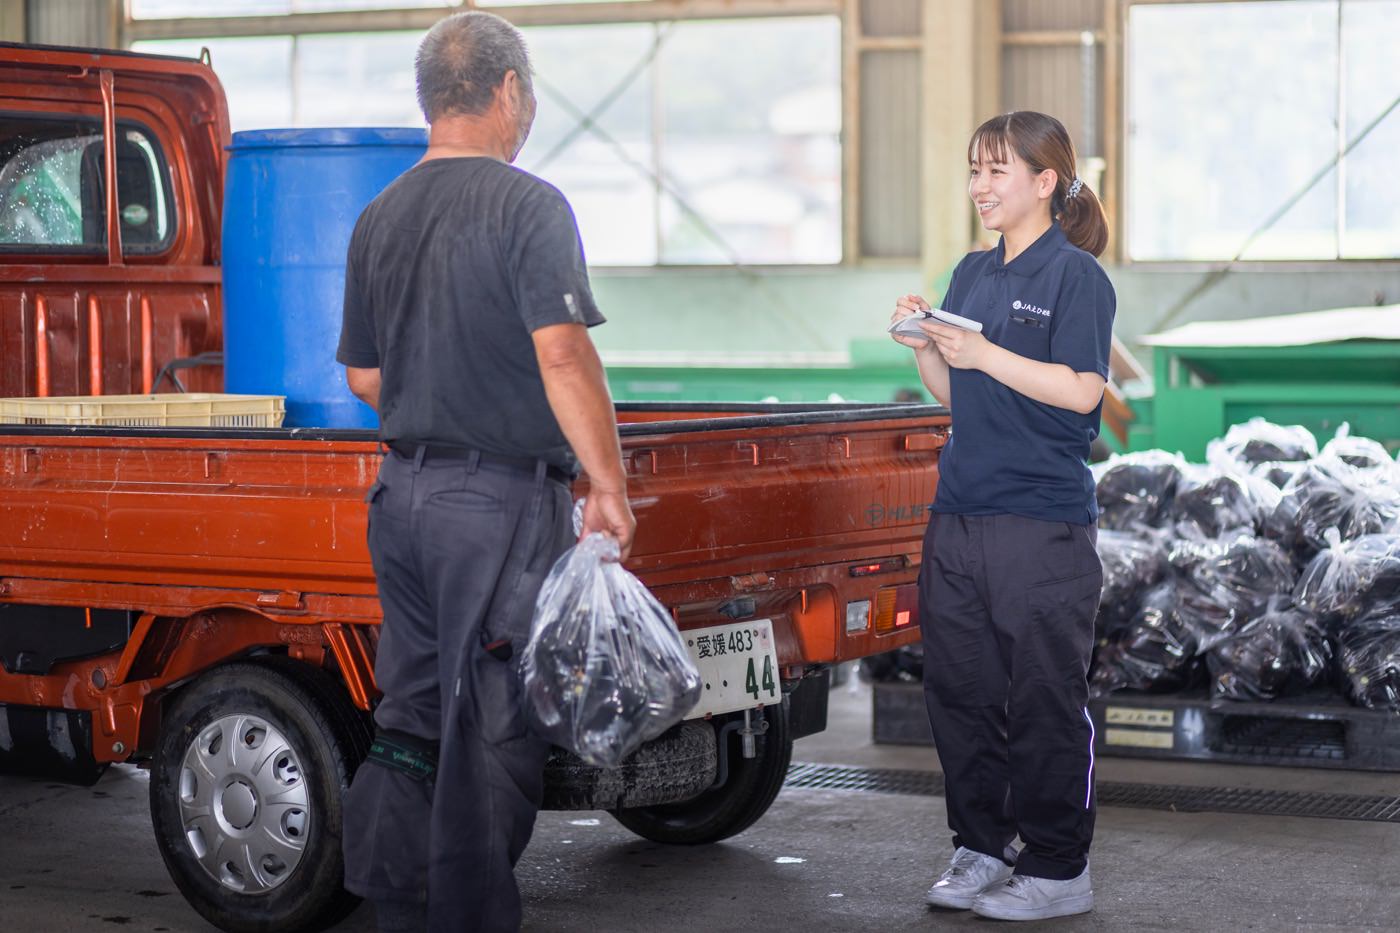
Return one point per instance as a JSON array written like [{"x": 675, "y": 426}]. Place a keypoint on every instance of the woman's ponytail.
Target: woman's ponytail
[{"x": 1082, "y": 218}]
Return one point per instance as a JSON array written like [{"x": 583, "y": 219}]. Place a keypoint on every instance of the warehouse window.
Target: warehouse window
[
  {"x": 670, "y": 157},
  {"x": 1205, "y": 184},
  {"x": 685, "y": 142}
]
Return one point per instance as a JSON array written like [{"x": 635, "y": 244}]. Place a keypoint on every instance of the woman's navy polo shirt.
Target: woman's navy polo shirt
[{"x": 1009, "y": 454}]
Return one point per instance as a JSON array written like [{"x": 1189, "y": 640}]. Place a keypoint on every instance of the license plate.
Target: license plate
[{"x": 738, "y": 666}]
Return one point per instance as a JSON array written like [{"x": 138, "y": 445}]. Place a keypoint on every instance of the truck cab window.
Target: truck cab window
[{"x": 52, "y": 187}]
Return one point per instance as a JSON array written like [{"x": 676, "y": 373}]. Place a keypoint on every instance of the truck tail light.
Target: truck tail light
[
  {"x": 888, "y": 565},
  {"x": 896, "y": 608}
]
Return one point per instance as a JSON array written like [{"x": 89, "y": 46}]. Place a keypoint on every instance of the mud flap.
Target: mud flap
[{"x": 55, "y": 744}]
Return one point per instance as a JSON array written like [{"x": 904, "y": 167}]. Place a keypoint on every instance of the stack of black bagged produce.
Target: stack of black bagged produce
[
  {"x": 1270, "y": 570},
  {"x": 902, "y": 665}
]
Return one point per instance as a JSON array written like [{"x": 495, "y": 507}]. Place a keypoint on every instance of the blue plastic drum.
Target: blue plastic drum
[{"x": 291, "y": 200}]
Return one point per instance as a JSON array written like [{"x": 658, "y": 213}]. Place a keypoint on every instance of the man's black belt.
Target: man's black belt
[{"x": 443, "y": 452}]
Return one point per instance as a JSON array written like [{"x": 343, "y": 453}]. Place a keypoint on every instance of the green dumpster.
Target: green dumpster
[
  {"x": 1318, "y": 369},
  {"x": 875, "y": 370}
]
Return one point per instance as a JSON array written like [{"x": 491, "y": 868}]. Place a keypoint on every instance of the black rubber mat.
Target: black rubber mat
[{"x": 1178, "y": 798}]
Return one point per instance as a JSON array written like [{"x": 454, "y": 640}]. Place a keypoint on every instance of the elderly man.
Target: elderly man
[{"x": 467, "y": 305}]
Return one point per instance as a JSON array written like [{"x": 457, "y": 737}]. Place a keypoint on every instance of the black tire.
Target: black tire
[
  {"x": 323, "y": 738},
  {"x": 725, "y": 811},
  {"x": 679, "y": 765}
]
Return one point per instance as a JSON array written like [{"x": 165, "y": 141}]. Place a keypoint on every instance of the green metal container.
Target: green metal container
[
  {"x": 877, "y": 372},
  {"x": 1201, "y": 391}
]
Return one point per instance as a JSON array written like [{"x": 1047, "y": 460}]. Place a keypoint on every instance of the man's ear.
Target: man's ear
[{"x": 510, "y": 93}]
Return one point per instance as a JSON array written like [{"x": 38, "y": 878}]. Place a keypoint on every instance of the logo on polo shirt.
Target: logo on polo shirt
[{"x": 1019, "y": 305}]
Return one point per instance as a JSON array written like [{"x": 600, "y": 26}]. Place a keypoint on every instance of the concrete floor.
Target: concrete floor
[{"x": 83, "y": 859}]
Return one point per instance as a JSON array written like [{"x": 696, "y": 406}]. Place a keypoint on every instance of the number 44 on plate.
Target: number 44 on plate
[{"x": 738, "y": 666}]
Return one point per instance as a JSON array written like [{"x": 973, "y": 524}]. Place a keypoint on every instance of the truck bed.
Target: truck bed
[
  {"x": 716, "y": 493},
  {"x": 214, "y": 541}
]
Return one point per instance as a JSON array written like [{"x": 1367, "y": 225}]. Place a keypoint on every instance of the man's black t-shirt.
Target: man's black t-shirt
[{"x": 449, "y": 272}]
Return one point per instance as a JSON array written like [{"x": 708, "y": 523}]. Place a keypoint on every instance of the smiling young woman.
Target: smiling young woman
[{"x": 1010, "y": 578}]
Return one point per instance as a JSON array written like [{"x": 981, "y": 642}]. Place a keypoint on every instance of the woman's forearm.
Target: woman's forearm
[
  {"x": 933, "y": 370},
  {"x": 1051, "y": 383}
]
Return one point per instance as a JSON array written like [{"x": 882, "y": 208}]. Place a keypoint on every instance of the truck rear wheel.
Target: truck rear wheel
[
  {"x": 734, "y": 806},
  {"x": 246, "y": 788}
]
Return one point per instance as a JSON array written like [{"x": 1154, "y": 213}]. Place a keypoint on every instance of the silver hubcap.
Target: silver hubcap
[{"x": 243, "y": 804}]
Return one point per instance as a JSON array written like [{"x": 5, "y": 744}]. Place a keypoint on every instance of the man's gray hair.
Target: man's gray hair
[{"x": 463, "y": 59}]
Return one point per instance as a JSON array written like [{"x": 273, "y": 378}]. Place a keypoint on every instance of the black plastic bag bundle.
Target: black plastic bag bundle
[
  {"x": 1131, "y": 564},
  {"x": 1136, "y": 490},
  {"x": 605, "y": 669},
  {"x": 1368, "y": 660},
  {"x": 902, "y": 665},
  {"x": 1327, "y": 493},
  {"x": 1211, "y": 502},
  {"x": 1156, "y": 652},
  {"x": 1259, "y": 441},
  {"x": 1227, "y": 581},
  {"x": 1350, "y": 579},
  {"x": 1280, "y": 653}
]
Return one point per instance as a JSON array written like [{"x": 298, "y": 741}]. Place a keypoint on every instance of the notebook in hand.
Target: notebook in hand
[{"x": 909, "y": 326}]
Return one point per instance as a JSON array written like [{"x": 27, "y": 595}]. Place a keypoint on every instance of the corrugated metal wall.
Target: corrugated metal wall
[
  {"x": 1029, "y": 15},
  {"x": 891, "y": 202},
  {"x": 87, "y": 23},
  {"x": 891, "y": 17},
  {"x": 1052, "y": 78},
  {"x": 1043, "y": 67}
]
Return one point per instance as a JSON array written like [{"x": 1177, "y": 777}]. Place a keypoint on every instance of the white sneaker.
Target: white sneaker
[
  {"x": 1022, "y": 897},
  {"x": 967, "y": 875}
]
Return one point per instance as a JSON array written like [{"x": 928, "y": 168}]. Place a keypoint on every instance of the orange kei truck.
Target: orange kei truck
[{"x": 200, "y": 601}]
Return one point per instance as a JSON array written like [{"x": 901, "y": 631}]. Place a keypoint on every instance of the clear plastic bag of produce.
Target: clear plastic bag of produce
[
  {"x": 1360, "y": 453},
  {"x": 605, "y": 669},
  {"x": 1211, "y": 501},
  {"x": 1136, "y": 490},
  {"x": 1226, "y": 581},
  {"x": 1259, "y": 441},
  {"x": 1279, "y": 653},
  {"x": 1132, "y": 563},
  {"x": 1350, "y": 579},
  {"x": 1156, "y": 652},
  {"x": 1368, "y": 660},
  {"x": 1328, "y": 493}
]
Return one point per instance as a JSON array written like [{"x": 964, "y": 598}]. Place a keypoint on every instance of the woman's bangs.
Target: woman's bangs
[{"x": 989, "y": 145}]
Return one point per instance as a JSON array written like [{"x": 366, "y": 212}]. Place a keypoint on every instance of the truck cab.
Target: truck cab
[{"x": 111, "y": 188}]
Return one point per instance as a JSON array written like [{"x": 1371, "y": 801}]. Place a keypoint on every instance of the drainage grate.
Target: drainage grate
[
  {"x": 1118, "y": 794},
  {"x": 881, "y": 780}
]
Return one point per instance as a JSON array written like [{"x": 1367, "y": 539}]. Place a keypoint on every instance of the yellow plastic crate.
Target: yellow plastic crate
[{"x": 186, "y": 410}]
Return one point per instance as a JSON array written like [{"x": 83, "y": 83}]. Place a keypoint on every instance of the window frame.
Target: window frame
[
  {"x": 1123, "y": 206},
  {"x": 9, "y": 251}
]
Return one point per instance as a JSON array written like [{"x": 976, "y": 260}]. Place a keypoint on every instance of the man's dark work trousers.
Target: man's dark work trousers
[
  {"x": 1007, "y": 609},
  {"x": 460, "y": 547}
]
